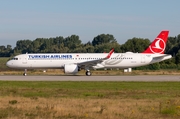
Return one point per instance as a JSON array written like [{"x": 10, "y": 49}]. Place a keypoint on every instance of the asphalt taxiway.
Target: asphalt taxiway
[{"x": 145, "y": 78}]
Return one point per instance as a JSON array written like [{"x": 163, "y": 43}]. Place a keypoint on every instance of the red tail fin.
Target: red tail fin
[{"x": 159, "y": 44}]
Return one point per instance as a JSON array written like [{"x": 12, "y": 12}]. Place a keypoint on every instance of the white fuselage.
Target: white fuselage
[{"x": 57, "y": 60}]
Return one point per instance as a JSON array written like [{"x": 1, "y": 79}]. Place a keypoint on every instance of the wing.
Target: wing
[{"x": 95, "y": 62}]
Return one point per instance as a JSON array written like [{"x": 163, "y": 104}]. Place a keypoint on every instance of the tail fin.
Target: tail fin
[{"x": 159, "y": 44}]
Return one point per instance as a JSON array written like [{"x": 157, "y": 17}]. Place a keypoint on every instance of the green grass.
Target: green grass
[
  {"x": 43, "y": 99},
  {"x": 135, "y": 90},
  {"x": 3, "y": 63}
]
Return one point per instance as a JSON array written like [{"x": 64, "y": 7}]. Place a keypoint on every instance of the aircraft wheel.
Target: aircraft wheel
[
  {"x": 24, "y": 74},
  {"x": 88, "y": 73}
]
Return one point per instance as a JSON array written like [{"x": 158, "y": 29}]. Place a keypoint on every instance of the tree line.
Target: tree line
[{"x": 99, "y": 44}]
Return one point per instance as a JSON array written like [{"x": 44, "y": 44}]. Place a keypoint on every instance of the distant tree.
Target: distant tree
[
  {"x": 177, "y": 58},
  {"x": 9, "y": 47},
  {"x": 102, "y": 39},
  {"x": 173, "y": 45},
  {"x": 5, "y": 51},
  {"x": 107, "y": 47},
  {"x": 88, "y": 47},
  {"x": 154, "y": 66},
  {"x": 22, "y": 46},
  {"x": 135, "y": 45},
  {"x": 72, "y": 42},
  {"x": 2, "y": 48}
]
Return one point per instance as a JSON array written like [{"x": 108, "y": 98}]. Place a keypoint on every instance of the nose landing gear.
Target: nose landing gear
[{"x": 25, "y": 72}]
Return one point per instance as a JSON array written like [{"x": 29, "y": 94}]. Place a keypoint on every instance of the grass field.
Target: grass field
[
  {"x": 89, "y": 100},
  {"x": 3, "y": 63}
]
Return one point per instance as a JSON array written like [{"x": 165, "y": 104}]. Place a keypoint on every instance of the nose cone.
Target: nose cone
[{"x": 9, "y": 64}]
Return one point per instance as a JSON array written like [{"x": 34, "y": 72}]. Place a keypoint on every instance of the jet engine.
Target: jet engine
[{"x": 70, "y": 69}]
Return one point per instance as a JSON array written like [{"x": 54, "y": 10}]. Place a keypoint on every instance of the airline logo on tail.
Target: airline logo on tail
[{"x": 159, "y": 44}]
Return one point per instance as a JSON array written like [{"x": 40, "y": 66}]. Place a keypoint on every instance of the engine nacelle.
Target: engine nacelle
[{"x": 70, "y": 69}]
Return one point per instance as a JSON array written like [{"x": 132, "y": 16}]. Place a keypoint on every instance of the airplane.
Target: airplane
[{"x": 74, "y": 62}]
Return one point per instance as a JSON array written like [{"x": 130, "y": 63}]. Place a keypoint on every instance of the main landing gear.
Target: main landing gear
[
  {"x": 88, "y": 73},
  {"x": 25, "y": 72}
]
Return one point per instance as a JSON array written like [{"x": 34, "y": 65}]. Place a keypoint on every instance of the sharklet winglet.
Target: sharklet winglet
[{"x": 110, "y": 53}]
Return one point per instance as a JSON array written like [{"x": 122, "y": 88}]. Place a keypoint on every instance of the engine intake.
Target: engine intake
[{"x": 70, "y": 69}]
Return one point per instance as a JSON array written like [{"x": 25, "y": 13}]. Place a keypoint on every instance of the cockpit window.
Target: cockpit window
[{"x": 14, "y": 58}]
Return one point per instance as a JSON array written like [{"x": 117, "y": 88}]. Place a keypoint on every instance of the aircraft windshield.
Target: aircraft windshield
[{"x": 14, "y": 58}]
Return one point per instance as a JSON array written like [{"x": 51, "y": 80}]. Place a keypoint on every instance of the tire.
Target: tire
[
  {"x": 88, "y": 73},
  {"x": 24, "y": 74}
]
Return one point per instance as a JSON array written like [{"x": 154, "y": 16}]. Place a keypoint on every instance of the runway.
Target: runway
[{"x": 144, "y": 78}]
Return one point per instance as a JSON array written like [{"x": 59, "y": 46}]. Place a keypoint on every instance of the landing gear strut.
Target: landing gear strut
[
  {"x": 88, "y": 73},
  {"x": 25, "y": 72}
]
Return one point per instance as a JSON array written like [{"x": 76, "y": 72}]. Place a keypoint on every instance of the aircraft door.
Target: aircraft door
[
  {"x": 143, "y": 59},
  {"x": 24, "y": 59}
]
